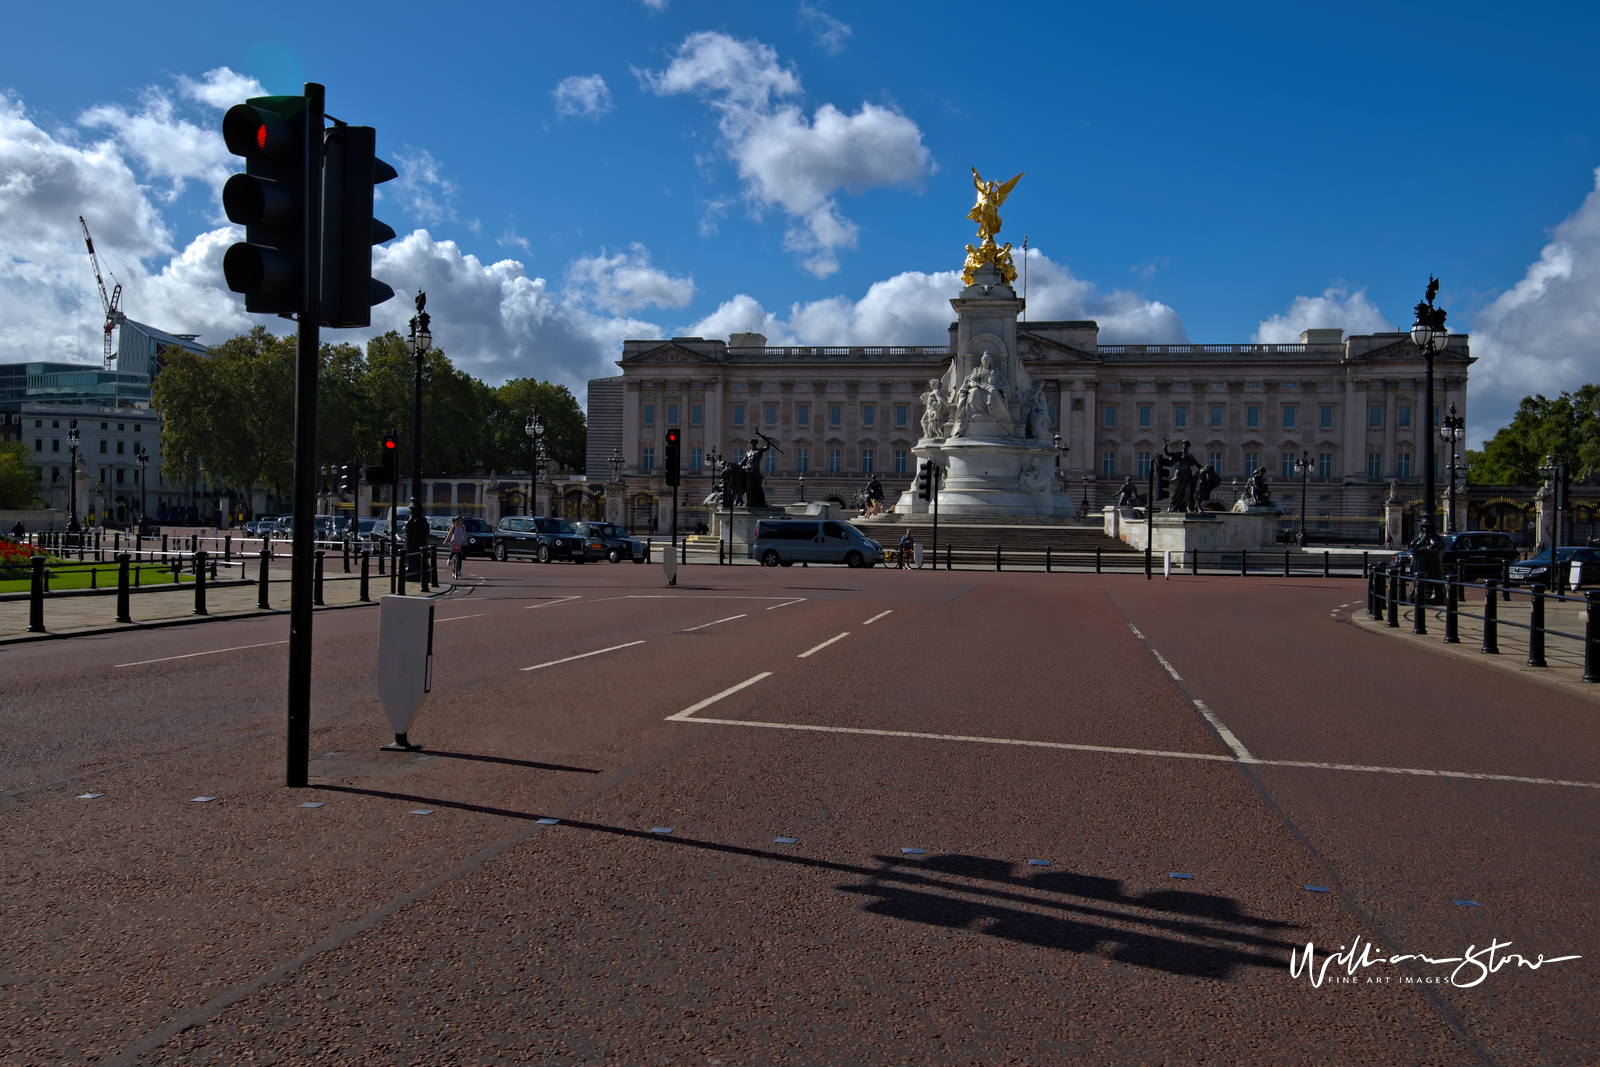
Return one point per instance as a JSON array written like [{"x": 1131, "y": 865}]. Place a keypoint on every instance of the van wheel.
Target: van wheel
[
  {"x": 853, "y": 559},
  {"x": 544, "y": 553},
  {"x": 500, "y": 552},
  {"x": 769, "y": 558}
]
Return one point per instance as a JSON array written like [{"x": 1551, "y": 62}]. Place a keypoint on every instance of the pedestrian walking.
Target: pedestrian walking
[
  {"x": 456, "y": 541},
  {"x": 907, "y": 544},
  {"x": 18, "y": 532}
]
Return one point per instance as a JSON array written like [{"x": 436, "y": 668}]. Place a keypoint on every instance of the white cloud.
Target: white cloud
[
  {"x": 782, "y": 157},
  {"x": 1541, "y": 335},
  {"x": 625, "y": 282},
  {"x": 656, "y": 5},
  {"x": 422, "y": 188},
  {"x": 913, "y": 308},
  {"x": 221, "y": 88},
  {"x": 830, "y": 33},
  {"x": 1334, "y": 309},
  {"x": 582, "y": 96},
  {"x": 169, "y": 146}
]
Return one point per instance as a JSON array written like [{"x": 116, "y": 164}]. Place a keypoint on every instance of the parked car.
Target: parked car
[
  {"x": 784, "y": 542},
  {"x": 1482, "y": 553},
  {"x": 607, "y": 540},
  {"x": 541, "y": 538},
  {"x": 1535, "y": 570},
  {"x": 480, "y": 536}
]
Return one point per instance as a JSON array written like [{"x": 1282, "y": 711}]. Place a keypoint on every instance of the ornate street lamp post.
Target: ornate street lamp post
[
  {"x": 72, "y": 477},
  {"x": 1302, "y": 467},
  {"x": 1556, "y": 476},
  {"x": 802, "y": 488},
  {"x": 1453, "y": 429},
  {"x": 419, "y": 341},
  {"x": 142, "y": 457},
  {"x": 535, "y": 431},
  {"x": 1086, "y": 479},
  {"x": 1428, "y": 333}
]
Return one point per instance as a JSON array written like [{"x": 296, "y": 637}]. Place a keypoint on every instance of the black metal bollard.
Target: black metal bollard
[
  {"x": 94, "y": 577},
  {"x": 433, "y": 564},
  {"x": 1505, "y": 581},
  {"x": 1286, "y": 563},
  {"x": 345, "y": 544},
  {"x": 227, "y": 549},
  {"x": 1364, "y": 568},
  {"x": 261, "y": 584},
  {"x": 163, "y": 545},
  {"x": 996, "y": 557},
  {"x": 1047, "y": 559},
  {"x": 36, "y": 597},
  {"x": 200, "y": 583},
  {"x": 947, "y": 557},
  {"x": 1327, "y": 563},
  {"x": 1536, "y": 629},
  {"x": 316, "y": 581},
  {"x": 1452, "y": 633},
  {"x": 719, "y": 552},
  {"x": 123, "y": 612},
  {"x": 648, "y": 545},
  {"x": 683, "y": 550},
  {"x": 366, "y": 557},
  {"x": 1096, "y": 561},
  {"x": 1591, "y": 636},
  {"x": 1392, "y": 601},
  {"x": 1419, "y": 598},
  {"x": 1491, "y": 619}
]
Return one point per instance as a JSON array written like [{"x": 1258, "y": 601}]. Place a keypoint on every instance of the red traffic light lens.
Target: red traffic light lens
[
  {"x": 261, "y": 137},
  {"x": 389, "y": 443}
]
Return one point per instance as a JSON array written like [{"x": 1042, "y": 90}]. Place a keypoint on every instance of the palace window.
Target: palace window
[
  {"x": 1402, "y": 465},
  {"x": 738, "y": 414},
  {"x": 1144, "y": 464},
  {"x": 38, "y": 444},
  {"x": 1325, "y": 465},
  {"x": 1288, "y": 417},
  {"x": 1327, "y": 416},
  {"x": 866, "y": 461},
  {"x": 649, "y": 414},
  {"x": 1375, "y": 416},
  {"x": 696, "y": 459},
  {"x": 1111, "y": 415},
  {"x": 672, "y": 414},
  {"x": 1108, "y": 464},
  {"x": 1374, "y": 464},
  {"x": 802, "y": 459},
  {"x": 1180, "y": 416},
  {"x": 769, "y": 462},
  {"x": 1144, "y": 416},
  {"x": 1288, "y": 464},
  {"x": 102, "y": 451},
  {"x": 901, "y": 414},
  {"x": 835, "y": 414},
  {"x": 697, "y": 414},
  {"x": 868, "y": 414},
  {"x": 1404, "y": 421},
  {"x": 649, "y": 459},
  {"x": 1252, "y": 460},
  {"x": 772, "y": 415},
  {"x": 119, "y": 448},
  {"x": 802, "y": 414},
  {"x": 1216, "y": 416},
  {"x": 833, "y": 461},
  {"x": 1252, "y": 416},
  {"x": 900, "y": 460},
  {"x": 1216, "y": 462}
]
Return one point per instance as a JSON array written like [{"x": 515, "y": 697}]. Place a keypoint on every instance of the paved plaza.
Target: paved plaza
[{"x": 806, "y": 815}]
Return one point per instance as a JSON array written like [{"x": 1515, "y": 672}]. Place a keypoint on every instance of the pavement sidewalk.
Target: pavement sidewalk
[{"x": 1563, "y": 654}]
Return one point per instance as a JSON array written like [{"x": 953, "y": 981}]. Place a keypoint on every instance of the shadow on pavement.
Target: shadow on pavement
[{"x": 511, "y": 762}]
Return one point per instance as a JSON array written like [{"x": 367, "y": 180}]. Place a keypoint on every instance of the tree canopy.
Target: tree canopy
[
  {"x": 1566, "y": 428},
  {"x": 229, "y": 415},
  {"x": 19, "y": 476}
]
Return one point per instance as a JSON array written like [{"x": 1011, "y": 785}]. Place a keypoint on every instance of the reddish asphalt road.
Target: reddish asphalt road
[{"x": 989, "y": 780}]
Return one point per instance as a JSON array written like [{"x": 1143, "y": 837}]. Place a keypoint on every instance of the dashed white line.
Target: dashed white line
[
  {"x": 878, "y": 616},
  {"x": 1136, "y": 632},
  {"x": 683, "y": 715},
  {"x": 552, "y": 603},
  {"x": 786, "y": 603},
  {"x": 703, "y": 625},
  {"x": 1169, "y": 667},
  {"x": 454, "y": 618},
  {"x": 1234, "y": 744},
  {"x": 191, "y": 655},
  {"x": 824, "y": 645},
  {"x": 581, "y": 655}
]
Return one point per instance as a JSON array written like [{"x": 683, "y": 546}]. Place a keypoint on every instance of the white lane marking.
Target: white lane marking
[
  {"x": 683, "y": 716},
  {"x": 824, "y": 645},
  {"x": 191, "y": 655},
  {"x": 878, "y": 616},
  {"x": 552, "y": 603},
  {"x": 581, "y": 655},
  {"x": 786, "y": 603},
  {"x": 1234, "y": 744},
  {"x": 1136, "y": 632},
  {"x": 453, "y": 618},
  {"x": 686, "y": 596},
  {"x": 1170, "y": 669},
  {"x": 703, "y": 625}
]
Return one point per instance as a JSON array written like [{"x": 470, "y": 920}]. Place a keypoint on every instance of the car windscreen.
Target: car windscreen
[
  {"x": 477, "y": 526},
  {"x": 554, "y": 526}
]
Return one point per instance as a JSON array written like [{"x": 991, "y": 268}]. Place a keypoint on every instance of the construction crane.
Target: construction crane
[{"x": 112, "y": 303}]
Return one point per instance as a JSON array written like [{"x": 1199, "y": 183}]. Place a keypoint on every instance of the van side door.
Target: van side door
[{"x": 834, "y": 543}]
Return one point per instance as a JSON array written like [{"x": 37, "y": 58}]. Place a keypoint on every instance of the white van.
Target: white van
[{"x": 785, "y": 542}]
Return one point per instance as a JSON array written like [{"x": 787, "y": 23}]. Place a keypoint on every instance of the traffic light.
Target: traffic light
[
  {"x": 350, "y": 479},
  {"x": 269, "y": 199},
  {"x": 673, "y": 456},
  {"x": 387, "y": 469},
  {"x": 1162, "y": 470},
  {"x": 925, "y": 480},
  {"x": 350, "y": 169}
]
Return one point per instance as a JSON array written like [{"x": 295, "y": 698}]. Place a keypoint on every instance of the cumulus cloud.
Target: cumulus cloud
[
  {"x": 422, "y": 188},
  {"x": 656, "y": 5},
  {"x": 782, "y": 157},
  {"x": 1541, "y": 335},
  {"x": 625, "y": 282},
  {"x": 830, "y": 33},
  {"x": 582, "y": 96},
  {"x": 169, "y": 146},
  {"x": 913, "y": 308},
  {"x": 1334, "y": 309},
  {"x": 221, "y": 88}
]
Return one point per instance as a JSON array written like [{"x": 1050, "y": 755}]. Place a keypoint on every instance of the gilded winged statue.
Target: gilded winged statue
[{"x": 986, "y": 213}]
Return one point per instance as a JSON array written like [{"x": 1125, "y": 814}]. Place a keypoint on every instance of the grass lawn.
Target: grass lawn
[{"x": 77, "y": 577}]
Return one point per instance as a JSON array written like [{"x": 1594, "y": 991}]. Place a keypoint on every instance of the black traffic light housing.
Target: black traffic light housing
[
  {"x": 350, "y": 478},
  {"x": 387, "y": 469},
  {"x": 674, "y": 454},
  {"x": 350, "y": 169},
  {"x": 925, "y": 480},
  {"x": 1162, "y": 472},
  {"x": 269, "y": 199}
]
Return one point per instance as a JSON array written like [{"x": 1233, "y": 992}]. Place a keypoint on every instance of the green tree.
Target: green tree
[
  {"x": 455, "y": 433},
  {"x": 19, "y": 476},
  {"x": 566, "y": 431},
  {"x": 1567, "y": 428}
]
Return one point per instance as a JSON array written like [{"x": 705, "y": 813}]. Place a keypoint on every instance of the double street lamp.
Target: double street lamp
[
  {"x": 1428, "y": 333},
  {"x": 1302, "y": 467},
  {"x": 1557, "y": 475},
  {"x": 419, "y": 342},
  {"x": 72, "y": 477},
  {"x": 535, "y": 431},
  {"x": 1453, "y": 429},
  {"x": 142, "y": 458}
]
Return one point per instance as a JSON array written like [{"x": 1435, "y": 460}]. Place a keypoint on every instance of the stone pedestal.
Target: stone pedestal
[
  {"x": 616, "y": 502},
  {"x": 1211, "y": 531},
  {"x": 744, "y": 522}
]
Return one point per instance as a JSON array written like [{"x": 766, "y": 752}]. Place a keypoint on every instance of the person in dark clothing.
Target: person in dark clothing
[{"x": 906, "y": 547}]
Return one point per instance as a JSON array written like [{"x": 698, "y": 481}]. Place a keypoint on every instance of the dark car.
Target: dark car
[
  {"x": 543, "y": 539},
  {"x": 1535, "y": 570},
  {"x": 480, "y": 538},
  {"x": 1481, "y": 553},
  {"x": 607, "y": 540}
]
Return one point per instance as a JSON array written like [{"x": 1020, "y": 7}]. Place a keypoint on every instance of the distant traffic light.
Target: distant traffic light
[
  {"x": 269, "y": 199},
  {"x": 925, "y": 480},
  {"x": 350, "y": 169},
  {"x": 1161, "y": 472},
  {"x": 387, "y": 469},
  {"x": 350, "y": 479},
  {"x": 673, "y": 456}
]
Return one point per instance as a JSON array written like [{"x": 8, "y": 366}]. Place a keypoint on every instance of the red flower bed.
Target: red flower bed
[{"x": 16, "y": 555}]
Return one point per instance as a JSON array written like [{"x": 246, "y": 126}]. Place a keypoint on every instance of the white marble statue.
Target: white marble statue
[
  {"x": 1036, "y": 413},
  {"x": 1034, "y": 479},
  {"x": 935, "y": 410},
  {"x": 983, "y": 393}
]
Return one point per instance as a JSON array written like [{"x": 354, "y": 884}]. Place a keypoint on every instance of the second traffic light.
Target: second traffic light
[
  {"x": 387, "y": 468},
  {"x": 350, "y": 478},
  {"x": 351, "y": 168},
  {"x": 674, "y": 455},
  {"x": 925, "y": 480}
]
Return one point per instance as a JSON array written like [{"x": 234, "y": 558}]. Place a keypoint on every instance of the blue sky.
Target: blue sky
[{"x": 577, "y": 173}]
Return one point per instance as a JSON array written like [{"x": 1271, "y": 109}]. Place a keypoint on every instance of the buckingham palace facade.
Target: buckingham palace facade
[{"x": 842, "y": 414}]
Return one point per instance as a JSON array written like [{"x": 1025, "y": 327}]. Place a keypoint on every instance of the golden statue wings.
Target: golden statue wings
[{"x": 986, "y": 212}]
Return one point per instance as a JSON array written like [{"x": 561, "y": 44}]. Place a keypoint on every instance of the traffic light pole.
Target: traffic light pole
[
  {"x": 934, "y": 479},
  {"x": 1150, "y": 517},
  {"x": 303, "y": 560}
]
